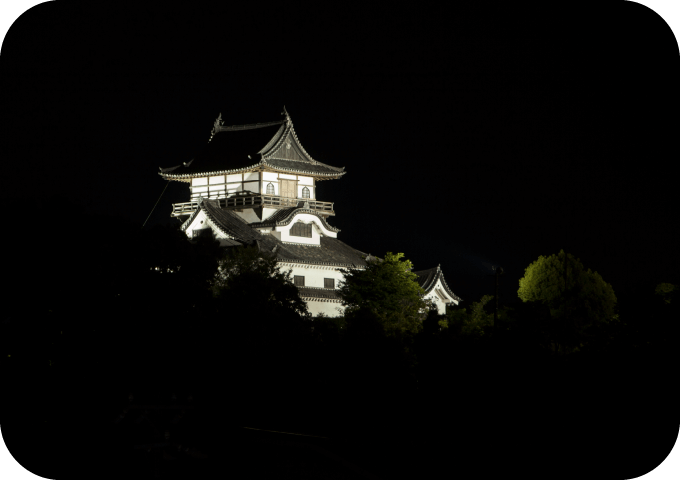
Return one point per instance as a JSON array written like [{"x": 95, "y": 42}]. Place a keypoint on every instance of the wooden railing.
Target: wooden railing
[{"x": 256, "y": 200}]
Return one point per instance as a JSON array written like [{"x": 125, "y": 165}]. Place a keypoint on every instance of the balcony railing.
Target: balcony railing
[{"x": 256, "y": 200}]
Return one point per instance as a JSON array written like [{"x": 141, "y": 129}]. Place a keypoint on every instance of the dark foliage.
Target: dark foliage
[{"x": 129, "y": 310}]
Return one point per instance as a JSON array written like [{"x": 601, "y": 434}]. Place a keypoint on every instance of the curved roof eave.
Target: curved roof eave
[
  {"x": 432, "y": 279},
  {"x": 446, "y": 287},
  {"x": 191, "y": 218},
  {"x": 289, "y": 218},
  {"x": 259, "y": 165}
]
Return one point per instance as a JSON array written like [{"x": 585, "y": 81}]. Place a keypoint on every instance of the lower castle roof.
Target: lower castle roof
[{"x": 331, "y": 251}]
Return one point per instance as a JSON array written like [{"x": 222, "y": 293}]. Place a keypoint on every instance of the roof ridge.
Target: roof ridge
[{"x": 247, "y": 126}]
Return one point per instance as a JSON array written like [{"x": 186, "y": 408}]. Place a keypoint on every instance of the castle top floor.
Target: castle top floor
[{"x": 240, "y": 149}]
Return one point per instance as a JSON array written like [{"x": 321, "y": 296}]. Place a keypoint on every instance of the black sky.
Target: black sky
[{"x": 470, "y": 138}]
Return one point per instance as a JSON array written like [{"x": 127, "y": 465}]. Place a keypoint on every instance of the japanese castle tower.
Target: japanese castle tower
[{"x": 256, "y": 185}]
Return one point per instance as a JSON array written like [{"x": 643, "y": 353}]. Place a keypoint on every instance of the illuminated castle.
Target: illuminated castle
[{"x": 256, "y": 185}]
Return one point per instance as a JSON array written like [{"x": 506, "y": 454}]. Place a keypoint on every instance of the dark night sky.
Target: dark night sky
[{"x": 471, "y": 138}]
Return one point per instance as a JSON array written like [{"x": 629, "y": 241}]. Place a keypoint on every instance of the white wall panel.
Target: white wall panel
[
  {"x": 217, "y": 179},
  {"x": 305, "y": 180},
  {"x": 234, "y": 178},
  {"x": 250, "y": 176},
  {"x": 252, "y": 186},
  {"x": 330, "y": 309},
  {"x": 270, "y": 175},
  {"x": 199, "y": 181},
  {"x": 289, "y": 177}
]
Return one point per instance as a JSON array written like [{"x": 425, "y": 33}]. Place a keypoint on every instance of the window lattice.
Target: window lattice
[
  {"x": 202, "y": 232},
  {"x": 328, "y": 283},
  {"x": 305, "y": 192},
  {"x": 299, "y": 280},
  {"x": 300, "y": 229},
  {"x": 270, "y": 189}
]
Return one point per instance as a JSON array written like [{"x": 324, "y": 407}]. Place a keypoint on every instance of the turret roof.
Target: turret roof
[
  {"x": 240, "y": 148},
  {"x": 427, "y": 279}
]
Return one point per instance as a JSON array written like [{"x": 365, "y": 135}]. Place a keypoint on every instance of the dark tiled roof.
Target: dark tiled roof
[
  {"x": 427, "y": 279},
  {"x": 330, "y": 252},
  {"x": 276, "y": 217},
  {"x": 229, "y": 222},
  {"x": 285, "y": 215},
  {"x": 319, "y": 293},
  {"x": 246, "y": 147}
]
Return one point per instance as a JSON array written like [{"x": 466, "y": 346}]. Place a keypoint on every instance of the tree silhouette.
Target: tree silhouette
[
  {"x": 390, "y": 291},
  {"x": 579, "y": 300}
]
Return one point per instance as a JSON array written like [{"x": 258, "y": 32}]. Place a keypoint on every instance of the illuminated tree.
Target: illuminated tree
[
  {"x": 667, "y": 291},
  {"x": 579, "y": 299},
  {"x": 389, "y": 291},
  {"x": 254, "y": 280},
  {"x": 474, "y": 322}
]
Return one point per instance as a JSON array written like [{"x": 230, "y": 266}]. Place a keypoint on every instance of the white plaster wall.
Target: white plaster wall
[
  {"x": 251, "y": 176},
  {"x": 441, "y": 304},
  {"x": 199, "y": 181},
  {"x": 317, "y": 230},
  {"x": 199, "y": 222},
  {"x": 217, "y": 191},
  {"x": 196, "y": 224},
  {"x": 217, "y": 179},
  {"x": 314, "y": 277},
  {"x": 314, "y": 274},
  {"x": 234, "y": 187},
  {"x": 235, "y": 177},
  {"x": 270, "y": 176},
  {"x": 288, "y": 177},
  {"x": 330, "y": 309},
  {"x": 305, "y": 180},
  {"x": 252, "y": 186}
]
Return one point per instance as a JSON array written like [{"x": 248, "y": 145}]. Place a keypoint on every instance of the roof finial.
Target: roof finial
[
  {"x": 285, "y": 112},
  {"x": 216, "y": 126}
]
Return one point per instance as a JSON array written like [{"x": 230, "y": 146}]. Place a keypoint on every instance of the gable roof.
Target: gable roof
[
  {"x": 240, "y": 148},
  {"x": 331, "y": 251},
  {"x": 427, "y": 279},
  {"x": 285, "y": 215}
]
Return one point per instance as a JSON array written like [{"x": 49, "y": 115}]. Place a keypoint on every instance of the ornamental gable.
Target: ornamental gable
[{"x": 289, "y": 150}]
